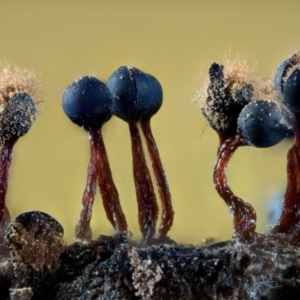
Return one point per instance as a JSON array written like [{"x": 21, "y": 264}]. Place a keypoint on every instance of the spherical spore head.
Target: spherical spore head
[
  {"x": 17, "y": 117},
  {"x": 285, "y": 69},
  {"x": 291, "y": 91},
  {"x": 87, "y": 102},
  {"x": 29, "y": 218},
  {"x": 264, "y": 123},
  {"x": 36, "y": 239},
  {"x": 136, "y": 95},
  {"x": 281, "y": 72}
]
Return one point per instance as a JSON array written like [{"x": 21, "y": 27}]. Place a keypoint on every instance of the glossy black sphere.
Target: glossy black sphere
[
  {"x": 291, "y": 91},
  {"x": 136, "y": 95},
  {"x": 87, "y": 102},
  {"x": 264, "y": 123},
  {"x": 17, "y": 117},
  {"x": 281, "y": 72}
]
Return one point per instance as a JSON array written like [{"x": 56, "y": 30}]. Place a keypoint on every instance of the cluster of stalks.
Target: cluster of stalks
[
  {"x": 242, "y": 108},
  {"x": 135, "y": 97}
]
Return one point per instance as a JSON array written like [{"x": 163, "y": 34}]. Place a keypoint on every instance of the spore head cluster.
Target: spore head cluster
[
  {"x": 226, "y": 92},
  {"x": 237, "y": 101},
  {"x": 135, "y": 97},
  {"x": 253, "y": 110},
  {"x": 18, "y": 116}
]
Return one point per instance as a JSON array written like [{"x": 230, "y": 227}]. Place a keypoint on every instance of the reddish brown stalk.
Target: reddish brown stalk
[
  {"x": 167, "y": 215},
  {"x": 147, "y": 205},
  {"x": 244, "y": 216},
  {"x": 108, "y": 189},
  {"x": 6, "y": 153},
  {"x": 83, "y": 229},
  {"x": 289, "y": 221}
]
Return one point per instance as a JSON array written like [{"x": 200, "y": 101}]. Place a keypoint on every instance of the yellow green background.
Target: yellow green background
[{"x": 176, "y": 41}]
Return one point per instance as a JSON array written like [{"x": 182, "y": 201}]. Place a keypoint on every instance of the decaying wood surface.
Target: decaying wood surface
[{"x": 114, "y": 267}]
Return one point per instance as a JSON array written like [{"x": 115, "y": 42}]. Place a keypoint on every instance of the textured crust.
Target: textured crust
[{"x": 116, "y": 268}]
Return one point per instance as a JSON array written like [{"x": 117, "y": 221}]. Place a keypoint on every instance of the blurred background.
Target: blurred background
[{"x": 176, "y": 41}]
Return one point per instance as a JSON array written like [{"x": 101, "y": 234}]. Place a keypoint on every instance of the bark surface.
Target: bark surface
[{"x": 113, "y": 267}]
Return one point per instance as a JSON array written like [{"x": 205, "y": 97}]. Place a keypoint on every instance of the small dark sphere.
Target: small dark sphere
[
  {"x": 264, "y": 123},
  {"x": 17, "y": 117},
  {"x": 35, "y": 239},
  {"x": 87, "y": 102},
  {"x": 136, "y": 95},
  {"x": 31, "y": 219},
  {"x": 291, "y": 91},
  {"x": 281, "y": 71},
  {"x": 243, "y": 95}
]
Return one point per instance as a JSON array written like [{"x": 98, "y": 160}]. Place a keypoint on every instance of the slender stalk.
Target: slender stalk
[
  {"x": 147, "y": 205},
  {"x": 108, "y": 189},
  {"x": 242, "y": 212},
  {"x": 167, "y": 215},
  {"x": 6, "y": 154},
  {"x": 83, "y": 229},
  {"x": 289, "y": 221}
]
